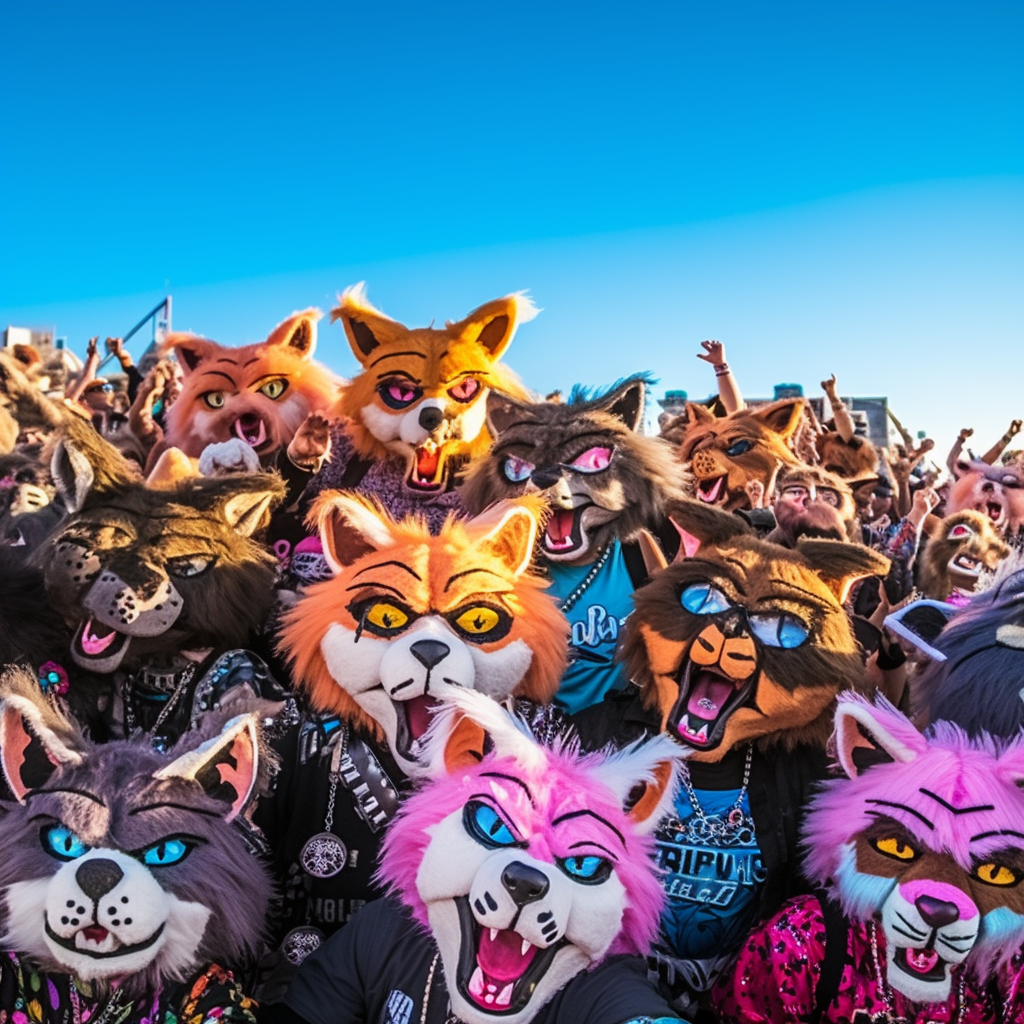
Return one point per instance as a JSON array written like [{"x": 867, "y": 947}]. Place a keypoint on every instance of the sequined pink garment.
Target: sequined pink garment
[{"x": 778, "y": 967}]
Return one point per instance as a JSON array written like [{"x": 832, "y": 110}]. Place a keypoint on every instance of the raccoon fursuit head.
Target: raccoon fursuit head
[
  {"x": 727, "y": 453},
  {"x": 120, "y": 864},
  {"x": 421, "y": 394},
  {"x": 408, "y": 617},
  {"x": 260, "y": 393},
  {"x": 601, "y": 478},
  {"x": 741, "y": 640},
  {"x": 527, "y": 864},
  {"x": 926, "y": 836},
  {"x": 139, "y": 571}
]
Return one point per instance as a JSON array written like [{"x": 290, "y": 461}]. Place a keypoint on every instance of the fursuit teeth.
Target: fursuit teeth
[{"x": 706, "y": 700}]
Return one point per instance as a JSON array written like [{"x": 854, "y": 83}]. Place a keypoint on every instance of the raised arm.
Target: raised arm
[
  {"x": 728, "y": 389},
  {"x": 958, "y": 447},
  {"x": 997, "y": 449},
  {"x": 840, "y": 413},
  {"x": 92, "y": 362}
]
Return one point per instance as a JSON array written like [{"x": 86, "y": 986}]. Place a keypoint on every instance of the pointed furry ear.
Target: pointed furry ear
[
  {"x": 508, "y": 529},
  {"x": 696, "y": 413},
  {"x": 698, "y": 524},
  {"x": 365, "y": 327},
  {"x": 298, "y": 332},
  {"x": 1011, "y": 762},
  {"x": 783, "y": 417},
  {"x": 841, "y": 563},
  {"x": 627, "y": 403},
  {"x": 189, "y": 349},
  {"x": 650, "y": 550},
  {"x": 172, "y": 468},
  {"x": 869, "y": 734},
  {"x": 349, "y": 527},
  {"x": 72, "y": 473},
  {"x": 643, "y": 777},
  {"x": 83, "y": 462},
  {"x": 503, "y": 413},
  {"x": 31, "y": 745},
  {"x": 226, "y": 766},
  {"x": 493, "y": 325}
]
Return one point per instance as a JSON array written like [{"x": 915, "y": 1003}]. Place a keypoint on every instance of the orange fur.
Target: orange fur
[
  {"x": 432, "y": 365},
  {"x": 224, "y": 389},
  {"x": 445, "y": 585}
]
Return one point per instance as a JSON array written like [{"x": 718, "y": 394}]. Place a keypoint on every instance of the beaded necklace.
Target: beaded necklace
[{"x": 592, "y": 575}]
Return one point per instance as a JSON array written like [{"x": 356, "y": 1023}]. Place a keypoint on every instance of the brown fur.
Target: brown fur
[
  {"x": 721, "y": 478},
  {"x": 816, "y": 518},
  {"x": 981, "y": 548},
  {"x": 852, "y": 460},
  {"x": 791, "y": 690}
]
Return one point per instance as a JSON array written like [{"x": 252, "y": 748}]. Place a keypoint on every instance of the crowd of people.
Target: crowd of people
[{"x": 418, "y": 697}]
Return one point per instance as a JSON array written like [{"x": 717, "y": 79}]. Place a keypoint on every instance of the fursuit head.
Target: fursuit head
[
  {"x": 408, "y": 617},
  {"x": 527, "y": 864},
  {"x": 994, "y": 491},
  {"x": 260, "y": 394},
  {"x": 421, "y": 393},
  {"x": 742, "y": 640},
  {"x": 960, "y": 548},
  {"x": 926, "y": 837},
  {"x": 727, "y": 453},
  {"x": 118, "y": 863},
  {"x": 601, "y": 478},
  {"x": 140, "y": 572}
]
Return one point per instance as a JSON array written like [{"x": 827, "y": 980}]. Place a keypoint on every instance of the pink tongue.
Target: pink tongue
[
  {"x": 95, "y": 932},
  {"x": 922, "y": 960},
  {"x": 560, "y": 526},
  {"x": 708, "y": 696},
  {"x": 418, "y": 715},
  {"x": 712, "y": 495},
  {"x": 93, "y": 644},
  {"x": 501, "y": 958}
]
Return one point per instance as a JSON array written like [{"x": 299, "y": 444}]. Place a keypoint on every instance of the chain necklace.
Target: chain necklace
[
  {"x": 128, "y": 698},
  {"x": 734, "y": 828},
  {"x": 581, "y": 587},
  {"x": 886, "y": 992},
  {"x": 324, "y": 854},
  {"x": 451, "y": 1018}
]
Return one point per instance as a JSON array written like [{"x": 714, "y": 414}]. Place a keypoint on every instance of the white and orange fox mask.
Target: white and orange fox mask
[{"x": 422, "y": 392}]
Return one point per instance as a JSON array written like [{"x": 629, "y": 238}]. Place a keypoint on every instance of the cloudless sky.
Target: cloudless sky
[{"x": 825, "y": 186}]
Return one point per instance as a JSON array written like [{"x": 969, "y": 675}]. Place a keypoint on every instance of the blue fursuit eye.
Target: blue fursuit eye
[
  {"x": 778, "y": 629},
  {"x": 588, "y": 869},
  {"x": 486, "y": 826},
  {"x": 739, "y": 447},
  {"x": 166, "y": 852},
  {"x": 517, "y": 470},
  {"x": 61, "y": 842},
  {"x": 704, "y": 599}
]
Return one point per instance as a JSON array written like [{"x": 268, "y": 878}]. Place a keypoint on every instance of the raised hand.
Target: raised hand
[{"x": 714, "y": 353}]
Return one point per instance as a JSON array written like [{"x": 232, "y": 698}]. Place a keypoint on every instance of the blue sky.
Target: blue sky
[{"x": 825, "y": 186}]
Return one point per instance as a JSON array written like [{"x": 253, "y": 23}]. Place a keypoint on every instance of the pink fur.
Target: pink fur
[{"x": 560, "y": 782}]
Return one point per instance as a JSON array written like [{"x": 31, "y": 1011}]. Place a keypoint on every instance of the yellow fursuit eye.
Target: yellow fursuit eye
[
  {"x": 386, "y": 616},
  {"x": 214, "y": 399},
  {"x": 274, "y": 389},
  {"x": 996, "y": 874},
  {"x": 478, "y": 620},
  {"x": 893, "y": 847}
]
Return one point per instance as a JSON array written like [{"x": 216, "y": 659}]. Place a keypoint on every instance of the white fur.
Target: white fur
[
  {"x": 353, "y": 300},
  {"x": 472, "y": 421},
  {"x": 385, "y": 426},
  {"x": 410, "y": 430},
  {"x": 624, "y": 769},
  {"x": 226, "y": 457}
]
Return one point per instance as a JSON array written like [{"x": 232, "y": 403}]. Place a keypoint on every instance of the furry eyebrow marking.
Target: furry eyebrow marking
[
  {"x": 220, "y": 373},
  {"x": 956, "y": 810},
  {"x": 590, "y": 842},
  {"x": 380, "y": 565},
  {"x": 465, "y": 373},
  {"x": 374, "y": 583},
  {"x": 903, "y": 807},
  {"x": 467, "y": 572},
  {"x": 67, "y": 789},
  {"x": 249, "y": 362},
  {"x": 268, "y": 376},
  {"x": 393, "y": 355},
  {"x": 811, "y": 598},
  {"x": 591, "y": 814},
  {"x": 998, "y": 832},
  {"x": 717, "y": 570},
  {"x": 177, "y": 807},
  {"x": 510, "y": 778}
]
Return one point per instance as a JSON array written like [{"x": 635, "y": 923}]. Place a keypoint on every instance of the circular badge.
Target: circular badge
[
  {"x": 300, "y": 942},
  {"x": 324, "y": 855}
]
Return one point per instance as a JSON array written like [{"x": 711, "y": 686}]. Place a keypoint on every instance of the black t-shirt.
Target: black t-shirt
[{"x": 376, "y": 971}]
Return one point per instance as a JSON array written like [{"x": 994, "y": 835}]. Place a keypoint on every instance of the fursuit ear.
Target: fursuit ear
[
  {"x": 365, "y": 327},
  {"x": 83, "y": 463},
  {"x": 698, "y": 414},
  {"x": 470, "y": 726},
  {"x": 172, "y": 468},
  {"x": 841, "y": 563},
  {"x": 244, "y": 501},
  {"x": 627, "y": 403},
  {"x": 189, "y": 350},
  {"x": 698, "y": 523},
  {"x": 643, "y": 779},
  {"x": 226, "y": 766},
  {"x": 349, "y": 527},
  {"x": 503, "y": 413},
  {"x": 868, "y": 734},
  {"x": 298, "y": 332},
  {"x": 782, "y": 417},
  {"x": 35, "y": 741},
  {"x": 1011, "y": 762},
  {"x": 508, "y": 529},
  {"x": 493, "y": 325}
]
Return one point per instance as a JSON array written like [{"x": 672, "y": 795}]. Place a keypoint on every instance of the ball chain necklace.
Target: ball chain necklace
[{"x": 581, "y": 587}]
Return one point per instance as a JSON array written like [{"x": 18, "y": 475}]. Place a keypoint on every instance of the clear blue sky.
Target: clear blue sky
[{"x": 825, "y": 186}]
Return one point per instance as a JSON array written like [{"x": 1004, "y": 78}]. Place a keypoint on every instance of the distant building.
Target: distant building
[{"x": 40, "y": 338}]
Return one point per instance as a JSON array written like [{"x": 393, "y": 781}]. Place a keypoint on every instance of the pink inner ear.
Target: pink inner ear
[
  {"x": 239, "y": 776},
  {"x": 690, "y": 545},
  {"x": 14, "y": 740},
  {"x": 847, "y": 741}
]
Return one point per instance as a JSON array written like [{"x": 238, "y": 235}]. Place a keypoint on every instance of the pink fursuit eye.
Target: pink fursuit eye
[
  {"x": 960, "y": 531},
  {"x": 593, "y": 460},
  {"x": 397, "y": 394},
  {"x": 465, "y": 390}
]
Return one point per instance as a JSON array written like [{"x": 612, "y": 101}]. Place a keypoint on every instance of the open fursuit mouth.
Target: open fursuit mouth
[
  {"x": 98, "y": 640},
  {"x": 564, "y": 530},
  {"x": 428, "y": 468},
  {"x": 498, "y": 969},
  {"x": 925, "y": 964},
  {"x": 706, "y": 700},
  {"x": 412, "y": 717},
  {"x": 710, "y": 490},
  {"x": 251, "y": 429},
  {"x": 97, "y": 942}
]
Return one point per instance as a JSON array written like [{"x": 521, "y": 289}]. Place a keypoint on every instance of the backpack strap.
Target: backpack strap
[{"x": 837, "y": 929}]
